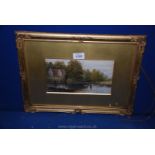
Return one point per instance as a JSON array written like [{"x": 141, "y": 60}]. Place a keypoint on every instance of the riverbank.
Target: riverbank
[{"x": 84, "y": 88}]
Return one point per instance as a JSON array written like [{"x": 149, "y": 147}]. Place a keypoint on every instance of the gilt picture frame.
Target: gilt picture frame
[{"x": 84, "y": 73}]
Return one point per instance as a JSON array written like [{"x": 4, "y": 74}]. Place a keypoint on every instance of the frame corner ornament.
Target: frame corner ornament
[{"x": 20, "y": 37}]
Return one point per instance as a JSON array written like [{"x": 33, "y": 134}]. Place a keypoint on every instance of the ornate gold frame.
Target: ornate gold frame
[{"x": 139, "y": 40}]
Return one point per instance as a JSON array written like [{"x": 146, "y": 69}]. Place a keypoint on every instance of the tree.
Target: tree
[
  {"x": 74, "y": 71},
  {"x": 105, "y": 78},
  {"x": 87, "y": 75},
  {"x": 59, "y": 65},
  {"x": 49, "y": 65},
  {"x": 96, "y": 76}
]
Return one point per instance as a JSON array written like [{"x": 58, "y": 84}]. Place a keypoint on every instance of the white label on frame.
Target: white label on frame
[{"x": 78, "y": 56}]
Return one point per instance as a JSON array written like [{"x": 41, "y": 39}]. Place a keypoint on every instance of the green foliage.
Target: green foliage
[
  {"x": 87, "y": 75},
  {"x": 74, "y": 71},
  {"x": 59, "y": 65},
  {"x": 96, "y": 76},
  {"x": 49, "y": 65}
]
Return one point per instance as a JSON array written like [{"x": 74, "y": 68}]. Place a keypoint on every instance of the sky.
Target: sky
[{"x": 105, "y": 66}]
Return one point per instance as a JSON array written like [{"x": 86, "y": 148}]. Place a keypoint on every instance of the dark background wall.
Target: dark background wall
[{"x": 12, "y": 114}]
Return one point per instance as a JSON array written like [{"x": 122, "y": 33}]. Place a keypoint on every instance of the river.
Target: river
[
  {"x": 96, "y": 89},
  {"x": 90, "y": 89}
]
